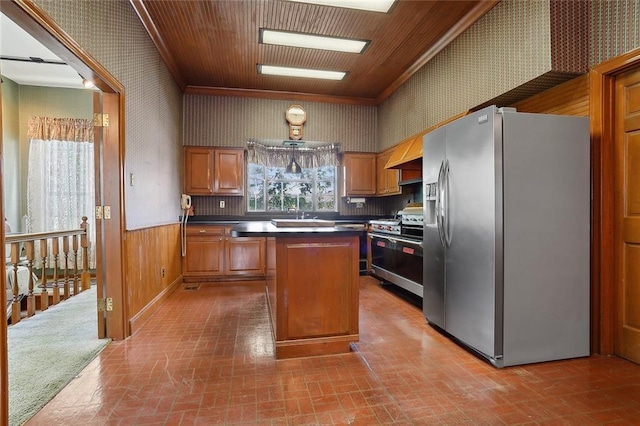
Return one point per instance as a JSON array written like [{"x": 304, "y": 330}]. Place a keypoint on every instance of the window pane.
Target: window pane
[
  {"x": 275, "y": 173},
  {"x": 256, "y": 195},
  {"x": 310, "y": 190},
  {"x": 305, "y": 203},
  {"x": 326, "y": 203},
  {"x": 327, "y": 172},
  {"x": 326, "y": 187},
  {"x": 256, "y": 169}
]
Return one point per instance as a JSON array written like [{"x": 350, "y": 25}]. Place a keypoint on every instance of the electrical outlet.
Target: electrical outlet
[
  {"x": 130, "y": 179},
  {"x": 163, "y": 272},
  {"x": 222, "y": 204}
]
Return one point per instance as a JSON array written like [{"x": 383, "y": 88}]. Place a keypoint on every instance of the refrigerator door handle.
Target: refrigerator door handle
[
  {"x": 446, "y": 212},
  {"x": 439, "y": 212}
]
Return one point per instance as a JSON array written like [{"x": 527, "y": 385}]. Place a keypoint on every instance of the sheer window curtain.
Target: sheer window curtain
[{"x": 61, "y": 179}]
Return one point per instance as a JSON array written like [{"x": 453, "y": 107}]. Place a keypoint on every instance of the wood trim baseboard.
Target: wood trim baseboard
[
  {"x": 152, "y": 307},
  {"x": 315, "y": 347}
]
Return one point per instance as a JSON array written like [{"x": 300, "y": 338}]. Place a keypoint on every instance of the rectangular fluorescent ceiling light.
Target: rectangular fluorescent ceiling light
[
  {"x": 309, "y": 41},
  {"x": 371, "y": 5},
  {"x": 300, "y": 72}
]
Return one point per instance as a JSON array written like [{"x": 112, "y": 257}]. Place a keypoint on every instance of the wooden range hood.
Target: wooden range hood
[{"x": 407, "y": 155}]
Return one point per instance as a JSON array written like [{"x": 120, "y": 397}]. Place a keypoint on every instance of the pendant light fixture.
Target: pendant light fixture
[{"x": 293, "y": 166}]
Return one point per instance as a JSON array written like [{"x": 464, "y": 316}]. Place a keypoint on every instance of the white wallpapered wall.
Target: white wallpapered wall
[
  {"x": 112, "y": 33},
  {"x": 228, "y": 121},
  {"x": 615, "y": 28},
  {"x": 507, "y": 47}
]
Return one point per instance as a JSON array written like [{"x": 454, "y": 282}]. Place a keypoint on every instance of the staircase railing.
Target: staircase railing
[{"x": 65, "y": 278}]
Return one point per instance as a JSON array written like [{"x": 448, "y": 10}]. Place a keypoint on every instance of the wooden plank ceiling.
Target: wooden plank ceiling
[{"x": 211, "y": 46}]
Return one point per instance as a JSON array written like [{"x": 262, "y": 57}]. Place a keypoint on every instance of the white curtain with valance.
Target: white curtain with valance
[{"x": 61, "y": 178}]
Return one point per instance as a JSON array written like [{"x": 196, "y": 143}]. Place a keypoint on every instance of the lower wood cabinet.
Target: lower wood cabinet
[
  {"x": 244, "y": 256},
  {"x": 212, "y": 254}
]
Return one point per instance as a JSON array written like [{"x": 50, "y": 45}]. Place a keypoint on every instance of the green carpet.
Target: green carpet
[{"x": 48, "y": 350}]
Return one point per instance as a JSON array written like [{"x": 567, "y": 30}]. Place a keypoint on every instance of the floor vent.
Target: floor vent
[{"x": 191, "y": 286}]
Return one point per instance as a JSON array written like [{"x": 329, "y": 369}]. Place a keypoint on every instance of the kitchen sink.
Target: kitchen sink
[{"x": 299, "y": 223}]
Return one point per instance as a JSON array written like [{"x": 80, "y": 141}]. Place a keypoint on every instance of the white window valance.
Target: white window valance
[{"x": 279, "y": 156}]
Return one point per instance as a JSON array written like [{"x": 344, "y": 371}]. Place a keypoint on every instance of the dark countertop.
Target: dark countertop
[
  {"x": 232, "y": 220},
  {"x": 267, "y": 229}
]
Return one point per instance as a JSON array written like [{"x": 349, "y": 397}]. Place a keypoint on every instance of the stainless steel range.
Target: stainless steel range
[{"x": 396, "y": 249}]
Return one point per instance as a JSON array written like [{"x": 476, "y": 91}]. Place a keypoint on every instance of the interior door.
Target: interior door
[
  {"x": 98, "y": 150},
  {"x": 627, "y": 215},
  {"x": 109, "y": 165}
]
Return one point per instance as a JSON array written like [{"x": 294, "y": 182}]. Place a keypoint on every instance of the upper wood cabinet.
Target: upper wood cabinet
[
  {"x": 214, "y": 171},
  {"x": 359, "y": 173},
  {"x": 198, "y": 171},
  {"x": 228, "y": 171},
  {"x": 387, "y": 179}
]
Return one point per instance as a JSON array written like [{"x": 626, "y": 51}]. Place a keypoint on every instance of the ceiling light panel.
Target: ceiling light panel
[
  {"x": 310, "y": 41},
  {"x": 370, "y": 5},
  {"x": 300, "y": 72}
]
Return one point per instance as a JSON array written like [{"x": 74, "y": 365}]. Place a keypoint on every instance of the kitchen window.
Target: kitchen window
[{"x": 271, "y": 188}]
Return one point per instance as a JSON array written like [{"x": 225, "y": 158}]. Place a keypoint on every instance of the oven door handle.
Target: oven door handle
[{"x": 397, "y": 239}]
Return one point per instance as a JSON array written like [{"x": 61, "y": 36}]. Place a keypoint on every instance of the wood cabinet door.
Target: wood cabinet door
[
  {"x": 627, "y": 216},
  {"x": 386, "y": 179},
  {"x": 205, "y": 251},
  {"x": 198, "y": 171},
  {"x": 228, "y": 171},
  {"x": 245, "y": 256},
  {"x": 359, "y": 173},
  {"x": 317, "y": 301}
]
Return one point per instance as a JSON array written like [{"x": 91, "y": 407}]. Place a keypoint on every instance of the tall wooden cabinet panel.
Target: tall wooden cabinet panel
[
  {"x": 214, "y": 171},
  {"x": 359, "y": 173},
  {"x": 386, "y": 179},
  {"x": 205, "y": 251},
  {"x": 198, "y": 171},
  {"x": 228, "y": 171}
]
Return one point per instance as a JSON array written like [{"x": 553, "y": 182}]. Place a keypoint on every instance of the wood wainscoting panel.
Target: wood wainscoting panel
[
  {"x": 153, "y": 269},
  {"x": 569, "y": 98}
]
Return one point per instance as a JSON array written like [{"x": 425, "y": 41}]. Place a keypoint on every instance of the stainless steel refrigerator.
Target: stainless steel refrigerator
[{"x": 506, "y": 234}]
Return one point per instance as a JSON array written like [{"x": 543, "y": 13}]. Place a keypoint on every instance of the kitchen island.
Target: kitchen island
[{"x": 312, "y": 282}]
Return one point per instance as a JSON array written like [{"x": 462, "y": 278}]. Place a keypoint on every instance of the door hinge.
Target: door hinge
[
  {"x": 105, "y": 304},
  {"x": 100, "y": 120},
  {"x": 103, "y": 212}
]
